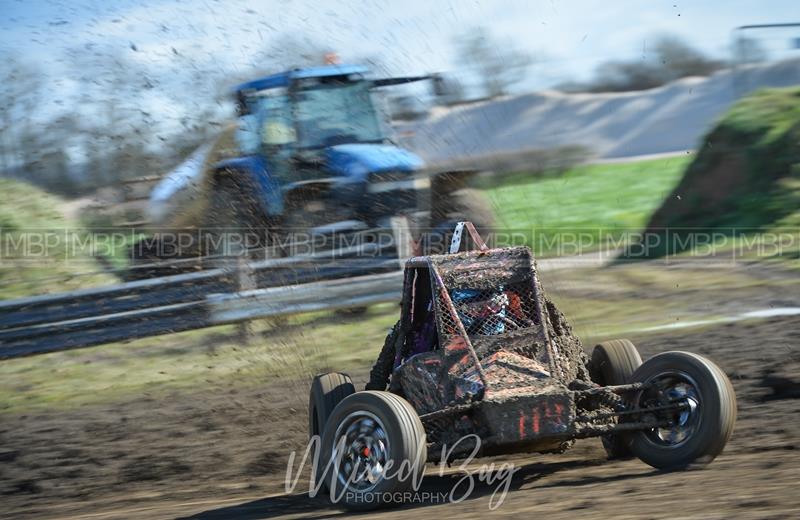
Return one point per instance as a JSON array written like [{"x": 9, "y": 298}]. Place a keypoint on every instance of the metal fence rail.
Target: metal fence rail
[
  {"x": 352, "y": 276},
  {"x": 330, "y": 295}
]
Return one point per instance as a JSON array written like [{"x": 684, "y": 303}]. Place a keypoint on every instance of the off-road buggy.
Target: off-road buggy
[{"x": 480, "y": 354}]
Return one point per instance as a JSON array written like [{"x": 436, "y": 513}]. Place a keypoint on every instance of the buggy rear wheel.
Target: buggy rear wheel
[
  {"x": 327, "y": 390},
  {"x": 373, "y": 450},
  {"x": 697, "y": 432},
  {"x": 613, "y": 363}
]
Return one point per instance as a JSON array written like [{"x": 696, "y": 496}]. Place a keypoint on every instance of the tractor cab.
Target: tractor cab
[
  {"x": 322, "y": 135},
  {"x": 311, "y": 109}
]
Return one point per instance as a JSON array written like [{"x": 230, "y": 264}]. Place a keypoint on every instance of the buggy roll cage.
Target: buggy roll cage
[
  {"x": 455, "y": 242},
  {"x": 439, "y": 291}
]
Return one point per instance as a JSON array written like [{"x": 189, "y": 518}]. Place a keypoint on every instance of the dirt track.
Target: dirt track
[{"x": 220, "y": 453}]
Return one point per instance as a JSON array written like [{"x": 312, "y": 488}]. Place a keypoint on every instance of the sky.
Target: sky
[
  {"x": 172, "y": 39},
  {"x": 410, "y": 36}
]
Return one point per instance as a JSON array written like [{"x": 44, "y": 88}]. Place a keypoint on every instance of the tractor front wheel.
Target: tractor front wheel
[{"x": 466, "y": 204}]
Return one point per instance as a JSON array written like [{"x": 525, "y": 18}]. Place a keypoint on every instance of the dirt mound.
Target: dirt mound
[
  {"x": 665, "y": 119},
  {"x": 745, "y": 178}
]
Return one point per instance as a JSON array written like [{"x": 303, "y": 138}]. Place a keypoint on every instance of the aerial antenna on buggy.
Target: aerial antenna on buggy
[{"x": 455, "y": 242}]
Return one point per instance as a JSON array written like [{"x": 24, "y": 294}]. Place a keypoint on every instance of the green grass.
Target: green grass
[
  {"x": 594, "y": 200},
  {"x": 746, "y": 179},
  {"x": 41, "y": 250},
  {"x": 292, "y": 348},
  {"x": 588, "y": 203},
  {"x": 765, "y": 117}
]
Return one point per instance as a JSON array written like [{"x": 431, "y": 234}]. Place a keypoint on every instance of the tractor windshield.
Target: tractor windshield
[{"x": 336, "y": 112}]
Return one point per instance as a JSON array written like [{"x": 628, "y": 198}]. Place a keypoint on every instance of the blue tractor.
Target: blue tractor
[{"x": 312, "y": 152}]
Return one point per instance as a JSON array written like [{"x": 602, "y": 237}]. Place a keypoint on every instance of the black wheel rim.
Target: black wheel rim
[{"x": 667, "y": 389}]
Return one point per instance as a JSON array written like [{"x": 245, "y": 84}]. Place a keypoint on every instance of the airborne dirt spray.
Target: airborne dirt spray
[{"x": 282, "y": 354}]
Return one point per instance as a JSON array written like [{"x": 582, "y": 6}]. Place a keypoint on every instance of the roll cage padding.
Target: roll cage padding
[{"x": 382, "y": 369}]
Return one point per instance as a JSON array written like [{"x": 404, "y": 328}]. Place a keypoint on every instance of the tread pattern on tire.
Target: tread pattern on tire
[
  {"x": 327, "y": 391},
  {"x": 401, "y": 421},
  {"x": 718, "y": 402},
  {"x": 613, "y": 363}
]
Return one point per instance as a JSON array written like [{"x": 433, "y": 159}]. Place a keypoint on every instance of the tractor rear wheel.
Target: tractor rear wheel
[
  {"x": 466, "y": 204},
  {"x": 473, "y": 205}
]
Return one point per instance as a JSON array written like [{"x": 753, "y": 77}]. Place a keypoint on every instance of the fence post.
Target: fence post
[
  {"x": 245, "y": 281},
  {"x": 403, "y": 239}
]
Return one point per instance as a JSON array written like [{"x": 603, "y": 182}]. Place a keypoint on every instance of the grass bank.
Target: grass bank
[
  {"x": 592, "y": 203},
  {"x": 40, "y": 249},
  {"x": 743, "y": 182}
]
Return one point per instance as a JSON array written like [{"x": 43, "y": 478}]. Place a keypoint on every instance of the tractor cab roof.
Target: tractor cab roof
[
  {"x": 284, "y": 79},
  {"x": 348, "y": 72}
]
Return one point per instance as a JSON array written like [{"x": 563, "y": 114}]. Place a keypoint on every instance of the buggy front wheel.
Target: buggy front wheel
[
  {"x": 373, "y": 451},
  {"x": 697, "y": 431}
]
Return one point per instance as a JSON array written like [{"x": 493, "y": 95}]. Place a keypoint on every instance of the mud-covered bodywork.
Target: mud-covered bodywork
[
  {"x": 482, "y": 363},
  {"x": 480, "y": 349}
]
